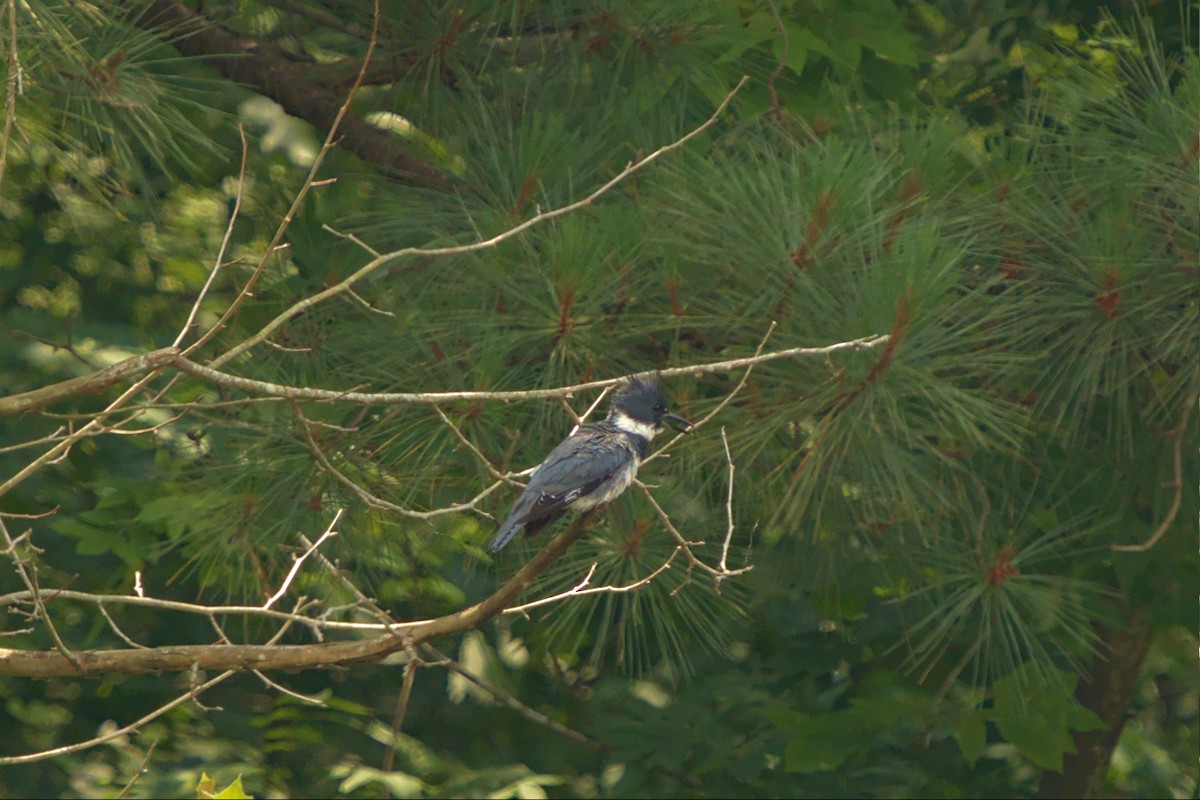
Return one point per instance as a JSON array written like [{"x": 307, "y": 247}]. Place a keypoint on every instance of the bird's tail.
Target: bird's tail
[{"x": 503, "y": 536}]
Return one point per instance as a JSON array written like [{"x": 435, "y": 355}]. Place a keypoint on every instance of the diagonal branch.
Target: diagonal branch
[
  {"x": 94, "y": 383},
  {"x": 484, "y": 244},
  {"x": 45, "y": 664}
]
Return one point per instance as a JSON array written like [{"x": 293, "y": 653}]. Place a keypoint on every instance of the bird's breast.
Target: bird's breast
[{"x": 611, "y": 488}]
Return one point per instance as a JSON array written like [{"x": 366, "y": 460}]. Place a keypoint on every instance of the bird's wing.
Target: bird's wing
[{"x": 579, "y": 465}]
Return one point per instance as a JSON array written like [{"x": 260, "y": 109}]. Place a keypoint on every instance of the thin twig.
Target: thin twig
[
  {"x": 1177, "y": 483},
  {"x": 582, "y": 587},
  {"x": 725, "y": 401},
  {"x": 581, "y": 419},
  {"x": 138, "y": 772},
  {"x": 55, "y": 752},
  {"x": 192, "y": 694},
  {"x": 116, "y": 628},
  {"x": 60, "y": 450},
  {"x": 352, "y": 238},
  {"x": 693, "y": 560},
  {"x": 465, "y": 442},
  {"x": 374, "y": 501},
  {"x": 511, "y": 702},
  {"x": 297, "y": 562},
  {"x": 410, "y": 674},
  {"x": 29, "y": 578},
  {"x": 723, "y": 565},
  {"x": 220, "y": 260},
  {"x": 12, "y": 84},
  {"x": 331, "y": 139},
  {"x": 279, "y": 687},
  {"x": 187, "y": 608}
]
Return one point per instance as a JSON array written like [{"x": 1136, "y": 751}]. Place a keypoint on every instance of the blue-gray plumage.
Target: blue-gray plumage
[{"x": 595, "y": 463}]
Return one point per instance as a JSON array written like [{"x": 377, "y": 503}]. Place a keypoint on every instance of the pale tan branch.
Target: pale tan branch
[
  {"x": 310, "y": 181},
  {"x": 45, "y": 664},
  {"x": 104, "y": 600},
  {"x": 582, "y": 588},
  {"x": 55, "y": 752},
  {"x": 693, "y": 561},
  {"x": 473, "y": 247},
  {"x": 220, "y": 260},
  {"x": 93, "y": 383},
  {"x": 725, "y": 401},
  {"x": 299, "y": 560},
  {"x": 484, "y": 460},
  {"x": 279, "y": 687},
  {"x": 192, "y": 694},
  {"x": 303, "y": 393},
  {"x": 723, "y": 565},
  {"x": 1177, "y": 434},
  {"x": 28, "y": 573},
  {"x": 375, "y": 501},
  {"x": 60, "y": 450},
  {"x": 138, "y": 772}
]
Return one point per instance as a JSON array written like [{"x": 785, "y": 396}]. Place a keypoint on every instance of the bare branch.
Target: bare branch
[
  {"x": 579, "y": 420},
  {"x": 693, "y": 561},
  {"x": 297, "y": 562},
  {"x": 1177, "y": 483},
  {"x": 279, "y": 687},
  {"x": 410, "y": 674},
  {"x": 95, "y": 383},
  {"x": 55, "y": 752},
  {"x": 117, "y": 629},
  {"x": 378, "y": 502},
  {"x": 700, "y": 423},
  {"x": 257, "y": 387},
  {"x": 507, "y": 700},
  {"x": 137, "y": 773},
  {"x": 220, "y": 260},
  {"x": 350, "y": 237},
  {"x": 545, "y": 216},
  {"x": 29, "y": 578},
  {"x": 104, "y": 600},
  {"x": 465, "y": 442},
  {"x": 331, "y": 139},
  {"x": 582, "y": 587},
  {"x": 43, "y": 664},
  {"x": 193, "y": 694},
  {"x": 723, "y": 565}
]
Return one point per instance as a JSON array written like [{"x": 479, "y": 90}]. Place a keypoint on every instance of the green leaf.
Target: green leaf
[
  {"x": 821, "y": 741},
  {"x": 206, "y": 789},
  {"x": 892, "y": 43},
  {"x": 160, "y": 508},
  {"x": 971, "y": 735},
  {"x": 399, "y": 784},
  {"x": 1041, "y": 739},
  {"x": 1038, "y": 717}
]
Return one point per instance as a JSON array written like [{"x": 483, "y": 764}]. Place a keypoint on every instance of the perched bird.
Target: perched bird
[{"x": 595, "y": 463}]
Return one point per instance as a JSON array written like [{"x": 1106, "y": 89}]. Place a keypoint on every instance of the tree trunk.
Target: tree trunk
[{"x": 1114, "y": 678}]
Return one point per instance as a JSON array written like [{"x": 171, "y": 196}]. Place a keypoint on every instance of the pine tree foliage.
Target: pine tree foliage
[{"x": 1011, "y": 199}]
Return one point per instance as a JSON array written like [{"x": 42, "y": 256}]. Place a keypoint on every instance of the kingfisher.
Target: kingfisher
[{"x": 596, "y": 462}]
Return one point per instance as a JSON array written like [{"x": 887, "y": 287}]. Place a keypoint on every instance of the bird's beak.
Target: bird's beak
[{"x": 678, "y": 423}]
